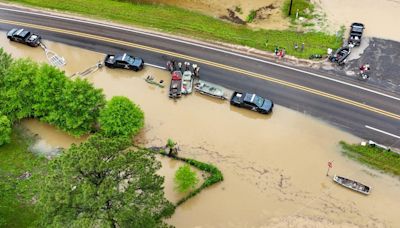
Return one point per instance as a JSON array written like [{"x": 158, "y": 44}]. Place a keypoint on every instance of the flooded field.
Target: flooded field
[{"x": 274, "y": 166}]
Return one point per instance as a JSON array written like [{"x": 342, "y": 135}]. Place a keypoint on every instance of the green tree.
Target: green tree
[
  {"x": 47, "y": 93},
  {"x": 5, "y": 130},
  {"x": 185, "y": 179},
  {"x": 103, "y": 183},
  {"x": 17, "y": 89},
  {"x": 79, "y": 108},
  {"x": 121, "y": 117},
  {"x": 5, "y": 63}
]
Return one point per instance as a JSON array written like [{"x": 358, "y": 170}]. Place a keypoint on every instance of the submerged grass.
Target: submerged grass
[
  {"x": 192, "y": 24},
  {"x": 374, "y": 157},
  {"x": 16, "y": 192}
]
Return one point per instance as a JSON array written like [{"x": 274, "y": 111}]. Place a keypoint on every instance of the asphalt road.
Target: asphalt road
[{"x": 348, "y": 107}]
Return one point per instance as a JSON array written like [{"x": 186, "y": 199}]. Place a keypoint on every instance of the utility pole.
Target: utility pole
[{"x": 290, "y": 7}]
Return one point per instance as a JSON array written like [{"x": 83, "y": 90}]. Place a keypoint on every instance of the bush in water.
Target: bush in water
[
  {"x": 121, "y": 117},
  {"x": 5, "y": 130},
  {"x": 185, "y": 179}
]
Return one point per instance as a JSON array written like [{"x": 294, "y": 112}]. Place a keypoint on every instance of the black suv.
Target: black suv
[
  {"x": 124, "y": 61},
  {"x": 252, "y": 101},
  {"x": 24, "y": 36}
]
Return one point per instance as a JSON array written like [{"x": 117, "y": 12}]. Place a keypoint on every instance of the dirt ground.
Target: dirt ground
[
  {"x": 274, "y": 166},
  {"x": 269, "y": 13}
]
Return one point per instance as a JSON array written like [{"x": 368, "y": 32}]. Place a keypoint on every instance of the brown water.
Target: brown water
[
  {"x": 378, "y": 16},
  {"x": 274, "y": 166}
]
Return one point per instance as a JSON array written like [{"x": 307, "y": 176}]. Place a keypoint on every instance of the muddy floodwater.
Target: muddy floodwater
[{"x": 274, "y": 166}]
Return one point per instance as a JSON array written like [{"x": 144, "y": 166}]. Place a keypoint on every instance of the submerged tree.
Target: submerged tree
[
  {"x": 121, "y": 117},
  {"x": 185, "y": 179},
  {"x": 103, "y": 183}
]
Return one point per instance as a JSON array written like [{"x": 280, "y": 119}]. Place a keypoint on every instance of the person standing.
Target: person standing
[
  {"x": 302, "y": 47},
  {"x": 180, "y": 66}
]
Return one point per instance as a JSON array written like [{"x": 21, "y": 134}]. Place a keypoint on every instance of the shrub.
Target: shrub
[
  {"x": 5, "y": 130},
  {"x": 121, "y": 117},
  {"x": 252, "y": 15},
  {"x": 185, "y": 179}
]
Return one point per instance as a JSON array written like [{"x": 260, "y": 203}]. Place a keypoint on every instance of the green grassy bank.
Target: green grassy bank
[
  {"x": 17, "y": 192},
  {"x": 374, "y": 157},
  {"x": 192, "y": 24}
]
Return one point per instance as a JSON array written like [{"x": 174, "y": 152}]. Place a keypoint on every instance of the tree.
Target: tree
[
  {"x": 79, "y": 108},
  {"x": 185, "y": 179},
  {"x": 103, "y": 183},
  {"x": 121, "y": 117},
  {"x": 5, "y": 63},
  {"x": 17, "y": 89},
  {"x": 5, "y": 130},
  {"x": 47, "y": 93}
]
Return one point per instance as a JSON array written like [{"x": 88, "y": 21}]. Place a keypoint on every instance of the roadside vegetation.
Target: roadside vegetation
[
  {"x": 193, "y": 24},
  {"x": 374, "y": 157}
]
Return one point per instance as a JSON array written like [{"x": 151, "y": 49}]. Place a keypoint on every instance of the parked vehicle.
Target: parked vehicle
[
  {"x": 210, "y": 89},
  {"x": 124, "y": 61},
  {"x": 351, "y": 184},
  {"x": 24, "y": 37},
  {"x": 340, "y": 55},
  {"x": 176, "y": 85},
  {"x": 356, "y": 32},
  {"x": 252, "y": 102},
  {"x": 187, "y": 82}
]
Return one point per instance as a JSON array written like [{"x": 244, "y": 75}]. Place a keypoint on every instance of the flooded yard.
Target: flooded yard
[{"x": 274, "y": 166}]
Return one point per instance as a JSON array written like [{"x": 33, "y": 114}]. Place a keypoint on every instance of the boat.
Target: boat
[
  {"x": 187, "y": 82},
  {"x": 351, "y": 184},
  {"x": 210, "y": 89},
  {"x": 176, "y": 84}
]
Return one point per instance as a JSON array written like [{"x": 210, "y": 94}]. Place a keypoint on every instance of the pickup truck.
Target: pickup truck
[
  {"x": 252, "y": 102},
  {"x": 124, "y": 61},
  {"x": 24, "y": 37},
  {"x": 356, "y": 31}
]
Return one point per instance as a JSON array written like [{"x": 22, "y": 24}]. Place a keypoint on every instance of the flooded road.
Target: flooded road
[{"x": 274, "y": 166}]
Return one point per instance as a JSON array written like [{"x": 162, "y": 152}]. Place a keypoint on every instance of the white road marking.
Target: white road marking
[
  {"x": 206, "y": 47},
  {"x": 160, "y": 67},
  {"x": 383, "y": 132}
]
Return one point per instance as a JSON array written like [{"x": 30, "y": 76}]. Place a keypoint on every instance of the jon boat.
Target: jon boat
[
  {"x": 187, "y": 82},
  {"x": 176, "y": 85},
  {"x": 210, "y": 89},
  {"x": 351, "y": 184}
]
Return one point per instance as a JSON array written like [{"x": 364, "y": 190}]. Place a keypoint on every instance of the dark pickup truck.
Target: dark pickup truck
[
  {"x": 124, "y": 61},
  {"x": 24, "y": 37},
  {"x": 356, "y": 31},
  {"x": 252, "y": 102}
]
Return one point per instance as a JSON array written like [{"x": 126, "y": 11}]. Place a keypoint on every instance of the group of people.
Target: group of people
[
  {"x": 185, "y": 66},
  {"x": 280, "y": 52}
]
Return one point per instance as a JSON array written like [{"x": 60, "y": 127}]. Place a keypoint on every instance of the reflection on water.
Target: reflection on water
[{"x": 274, "y": 165}]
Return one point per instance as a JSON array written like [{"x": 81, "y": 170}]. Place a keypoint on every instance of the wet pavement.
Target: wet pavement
[{"x": 384, "y": 59}]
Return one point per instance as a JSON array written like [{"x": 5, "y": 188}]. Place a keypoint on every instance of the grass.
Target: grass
[
  {"x": 252, "y": 15},
  {"x": 192, "y": 24},
  {"x": 16, "y": 194},
  {"x": 374, "y": 157},
  {"x": 305, "y": 7}
]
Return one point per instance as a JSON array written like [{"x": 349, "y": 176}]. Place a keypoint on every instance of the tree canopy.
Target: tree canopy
[
  {"x": 121, "y": 117},
  {"x": 5, "y": 129},
  {"x": 104, "y": 183}
]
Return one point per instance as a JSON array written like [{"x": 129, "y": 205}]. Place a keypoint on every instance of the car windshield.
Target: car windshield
[{"x": 259, "y": 101}]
